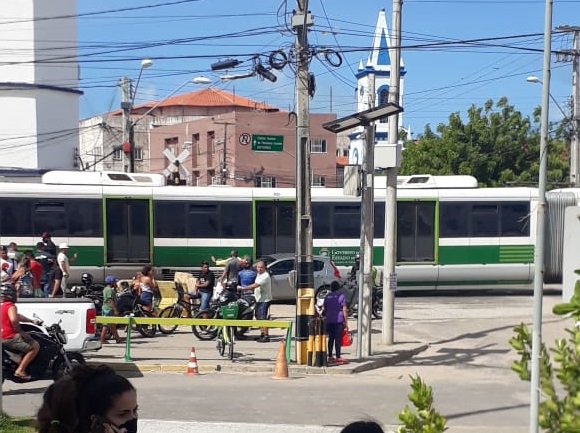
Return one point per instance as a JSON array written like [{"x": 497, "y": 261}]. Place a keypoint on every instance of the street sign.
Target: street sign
[
  {"x": 267, "y": 143},
  {"x": 245, "y": 139}
]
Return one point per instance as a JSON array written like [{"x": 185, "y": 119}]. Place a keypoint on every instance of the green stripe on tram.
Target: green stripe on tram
[{"x": 490, "y": 254}]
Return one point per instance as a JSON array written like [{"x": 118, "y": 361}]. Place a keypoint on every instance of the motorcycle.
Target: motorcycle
[
  {"x": 350, "y": 291},
  {"x": 230, "y": 295},
  {"x": 128, "y": 304},
  {"x": 51, "y": 356}
]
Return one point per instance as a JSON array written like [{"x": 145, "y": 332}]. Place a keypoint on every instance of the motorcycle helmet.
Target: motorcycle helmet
[
  {"x": 8, "y": 292},
  {"x": 87, "y": 279}
]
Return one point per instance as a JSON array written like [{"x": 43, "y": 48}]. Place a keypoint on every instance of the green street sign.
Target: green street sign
[{"x": 267, "y": 143}]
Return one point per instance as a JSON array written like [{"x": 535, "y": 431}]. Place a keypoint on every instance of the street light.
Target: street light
[
  {"x": 130, "y": 123},
  {"x": 536, "y": 80}
]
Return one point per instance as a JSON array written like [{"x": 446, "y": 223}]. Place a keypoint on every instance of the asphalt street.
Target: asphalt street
[{"x": 467, "y": 363}]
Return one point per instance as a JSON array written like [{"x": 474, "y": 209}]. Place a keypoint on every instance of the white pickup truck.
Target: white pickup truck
[{"x": 77, "y": 316}]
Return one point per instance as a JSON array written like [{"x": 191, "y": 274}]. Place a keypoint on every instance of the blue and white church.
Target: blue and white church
[{"x": 379, "y": 65}]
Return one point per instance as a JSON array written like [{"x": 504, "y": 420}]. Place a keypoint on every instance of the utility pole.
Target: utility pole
[
  {"x": 128, "y": 129},
  {"x": 389, "y": 275},
  {"x": 224, "y": 163},
  {"x": 539, "y": 249},
  {"x": 367, "y": 233},
  {"x": 304, "y": 265},
  {"x": 574, "y": 56}
]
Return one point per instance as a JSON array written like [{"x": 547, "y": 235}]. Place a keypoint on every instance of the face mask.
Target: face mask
[{"x": 130, "y": 426}]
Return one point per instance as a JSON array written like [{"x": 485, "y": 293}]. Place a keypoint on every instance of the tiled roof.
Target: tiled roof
[{"x": 209, "y": 98}]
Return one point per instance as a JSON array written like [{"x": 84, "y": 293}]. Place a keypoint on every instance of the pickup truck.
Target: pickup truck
[{"x": 77, "y": 316}]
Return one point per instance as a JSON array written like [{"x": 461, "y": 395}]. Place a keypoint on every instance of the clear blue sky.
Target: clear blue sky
[{"x": 441, "y": 79}]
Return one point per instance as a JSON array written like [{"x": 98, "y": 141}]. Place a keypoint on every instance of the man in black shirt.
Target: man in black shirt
[{"x": 46, "y": 260}]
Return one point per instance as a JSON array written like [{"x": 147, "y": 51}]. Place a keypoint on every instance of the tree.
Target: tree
[
  {"x": 497, "y": 145},
  {"x": 559, "y": 411}
]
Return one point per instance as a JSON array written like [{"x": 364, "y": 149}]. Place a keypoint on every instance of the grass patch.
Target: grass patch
[{"x": 16, "y": 424}]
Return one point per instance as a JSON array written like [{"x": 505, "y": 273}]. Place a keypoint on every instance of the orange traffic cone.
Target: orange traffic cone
[
  {"x": 192, "y": 365},
  {"x": 281, "y": 368}
]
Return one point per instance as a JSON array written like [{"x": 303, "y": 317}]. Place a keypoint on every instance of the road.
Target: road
[{"x": 468, "y": 365}]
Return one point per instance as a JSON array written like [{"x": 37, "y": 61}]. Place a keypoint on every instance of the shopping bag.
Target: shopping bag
[{"x": 346, "y": 338}]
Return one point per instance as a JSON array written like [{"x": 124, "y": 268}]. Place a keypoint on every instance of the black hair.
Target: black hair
[
  {"x": 334, "y": 286},
  {"x": 363, "y": 427},
  {"x": 91, "y": 389},
  {"x": 39, "y": 245},
  {"x": 205, "y": 263},
  {"x": 146, "y": 269},
  {"x": 28, "y": 253}
]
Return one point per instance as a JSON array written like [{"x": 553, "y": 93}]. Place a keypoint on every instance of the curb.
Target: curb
[{"x": 378, "y": 361}]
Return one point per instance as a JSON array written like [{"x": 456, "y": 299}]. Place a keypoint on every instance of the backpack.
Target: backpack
[{"x": 26, "y": 285}]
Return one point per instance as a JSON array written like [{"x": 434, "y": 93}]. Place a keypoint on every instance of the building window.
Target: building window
[
  {"x": 211, "y": 141},
  {"x": 210, "y": 177},
  {"x": 265, "y": 181},
  {"x": 318, "y": 145},
  {"x": 195, "y": 143},
  {"x": 318, "y": 180},
  {"x": 118, "y": 155},
  {"x": 171, "y": 140},
  {"x": 138, "y": 153}
]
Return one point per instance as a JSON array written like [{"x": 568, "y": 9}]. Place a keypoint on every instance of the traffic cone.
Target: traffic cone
[
  {"x": 281, "y": 368},
  {"x": 192, "y": 365}
]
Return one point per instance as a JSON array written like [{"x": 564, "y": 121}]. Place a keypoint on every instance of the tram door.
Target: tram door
[
  {"x": 275, "y": 227},
  {"x": 128, "y": 231}
]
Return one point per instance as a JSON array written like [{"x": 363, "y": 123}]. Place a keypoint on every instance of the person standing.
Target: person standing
[
  {"x": 233, "y": 266},
  {"x": 263, "y": 293},
  {"x": 36, "y": 269},
  {"x": 7, "y": 268},
  {"x": 110, "y": 308},
  {"x": 64, "y": 264},
  {"x": 14, "y": 338},
  {"x": 246, "y": 277},
  {"x": 55, "y": 281},
  {"x": 49, "y": 245},
  {"x": 24, "y": 279},
  {"x": 336, "y": 313},
  {"x": 204, "y": 285},
  {"x": 147, "y": 287},
  {"x": 46, "y": 260}
]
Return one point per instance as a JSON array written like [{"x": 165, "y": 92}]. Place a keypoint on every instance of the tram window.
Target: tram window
[
  {"x": 425, "y": 238},
  {"x": 50, "y": 217},
  {"x": 322, "y": 220},
  {"x": 15, "y": 218},
  {"x": 236, "y": 220},
  {"x": 346, "y": 221},
  {"x": 170, "y": 221},
  {"x": 84, "y": 217},
  {"x": 485, "y": 220},
  {"x": 454, "y": 220},
  {"x": 379, "y": 216},
  {"x": 515, "y": 219},
  {"x": 203, "y": 221}
]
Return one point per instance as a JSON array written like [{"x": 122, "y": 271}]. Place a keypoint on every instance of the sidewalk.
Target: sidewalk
[{"x": 170, "y": 353}]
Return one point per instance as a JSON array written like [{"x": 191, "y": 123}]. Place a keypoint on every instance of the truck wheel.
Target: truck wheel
[{"x": 60, "y": 369}]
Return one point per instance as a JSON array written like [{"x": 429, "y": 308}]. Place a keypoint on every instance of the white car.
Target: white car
[{"x": 280, "y": 265}]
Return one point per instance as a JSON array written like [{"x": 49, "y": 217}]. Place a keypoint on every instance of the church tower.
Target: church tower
[
  {"x": 378, "y": 64},
  {"x": 39, "y": 81}
]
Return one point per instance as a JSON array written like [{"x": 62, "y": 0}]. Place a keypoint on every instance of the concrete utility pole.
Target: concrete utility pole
[
  {"x": 304, "y": 265},
  {"x": 128, "y": 131},
  {"x": 224, "y": 163},
  {"x": 389, "y": 275},
  {"x": 365, "y": 282},
  {"x": 539, "y": 250},
  {"x": 574, "y": 55}
]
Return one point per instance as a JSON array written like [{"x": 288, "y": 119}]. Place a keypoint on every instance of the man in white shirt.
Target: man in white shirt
[
  {"x": 64, "y": 264},
  {"x": 6, "y": 265},
  {"x": 263, "y": 293}
]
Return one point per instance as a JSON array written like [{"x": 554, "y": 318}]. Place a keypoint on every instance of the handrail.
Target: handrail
[{"x": 129, "y": 321}]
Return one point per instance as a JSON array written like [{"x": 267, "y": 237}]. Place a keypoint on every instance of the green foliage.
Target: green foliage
[
  {"x": 15, "y": 425},
  {"x": 559, "y": 411},
  {"x": 424, "y": 419},
  {"x": 497, "y": 145}
]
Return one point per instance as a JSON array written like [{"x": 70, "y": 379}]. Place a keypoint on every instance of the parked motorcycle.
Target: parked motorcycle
[
  {"x": 89, "y": 290},
  {"x": 51, "y": 356},
  {"x": 350, "y": 291},
  {"x": 230, "y": 295}
]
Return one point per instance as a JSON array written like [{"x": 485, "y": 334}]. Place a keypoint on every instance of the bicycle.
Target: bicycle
[
  {"x": 226, "y": 335},
  {"x": 181, "y": 308}
]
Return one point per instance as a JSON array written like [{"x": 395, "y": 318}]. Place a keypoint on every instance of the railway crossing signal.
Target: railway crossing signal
[{"x": 176, "y": 163}]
